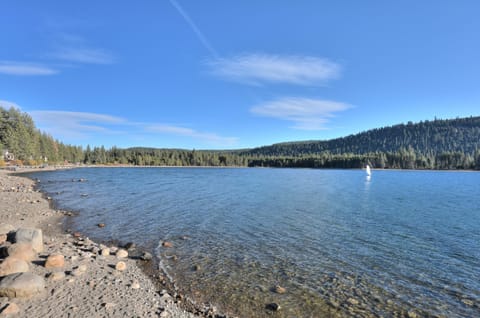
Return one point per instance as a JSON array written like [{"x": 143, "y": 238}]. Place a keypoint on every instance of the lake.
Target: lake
[{"x": 340, "y": 245}]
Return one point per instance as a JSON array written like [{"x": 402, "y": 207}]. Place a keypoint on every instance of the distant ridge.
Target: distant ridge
[{"x": 437, "y": 136}]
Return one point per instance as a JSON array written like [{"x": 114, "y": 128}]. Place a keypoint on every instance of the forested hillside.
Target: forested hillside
[
  {"x": 438, "y": 144},
  {"x": 455, "y": 135},
  {"x": 30, "y": 146}
]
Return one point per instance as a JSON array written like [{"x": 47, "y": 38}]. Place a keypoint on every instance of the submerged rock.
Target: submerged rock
[
  {"x": 146, "y": 256},
  {"x": 167, "y": 244},
  {"x": 196, "y": 267},
  {"x": 280, "y": 290},
  {"x": 273, "y": 307},
  {"x": 130, "y": 246}
]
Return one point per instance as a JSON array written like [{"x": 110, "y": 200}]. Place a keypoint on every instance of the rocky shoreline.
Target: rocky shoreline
[{"x": 45, "y": 272}]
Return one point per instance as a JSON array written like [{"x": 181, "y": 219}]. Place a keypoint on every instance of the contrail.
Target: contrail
[{"x": 195, "y": 29}]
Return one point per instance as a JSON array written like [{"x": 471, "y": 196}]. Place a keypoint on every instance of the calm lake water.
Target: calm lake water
[{"x": 400, "y": 243}]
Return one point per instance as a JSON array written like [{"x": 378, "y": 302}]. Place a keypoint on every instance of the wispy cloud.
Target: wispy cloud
[
  {"x": 76, "y": 49},
  {"x": 260, "y": 68},
  {"x": 305, "y": 113},
  {"x": 210, "y": 138},
  {"x": 84, "y": 55},
  {"x": 82, "y": 125},
  {"x": 194, "y": 28},
  {"x": 25, "y": 69},
  {"x": 75, "y": 124}
]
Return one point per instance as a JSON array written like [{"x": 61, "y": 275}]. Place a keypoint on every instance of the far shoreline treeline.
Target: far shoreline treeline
[{"x": 452, "y": 144}]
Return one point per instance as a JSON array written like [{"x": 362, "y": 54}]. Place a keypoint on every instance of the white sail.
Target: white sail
[{"x": 369, "y": 172}]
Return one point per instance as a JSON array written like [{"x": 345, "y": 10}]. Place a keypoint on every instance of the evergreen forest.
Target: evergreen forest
[{"x": 438, "y": 144}]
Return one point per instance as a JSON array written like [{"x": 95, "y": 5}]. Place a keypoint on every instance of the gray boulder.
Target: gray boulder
[
  {"x": 21, "y": 285},
  {"x": 32, "y": 236}
]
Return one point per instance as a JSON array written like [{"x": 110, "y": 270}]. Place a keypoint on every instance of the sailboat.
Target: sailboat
[{"x": 369, "y": 172}]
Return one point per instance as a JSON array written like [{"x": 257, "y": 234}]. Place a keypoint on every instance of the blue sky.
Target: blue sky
[{"x": 235, "y": 74}]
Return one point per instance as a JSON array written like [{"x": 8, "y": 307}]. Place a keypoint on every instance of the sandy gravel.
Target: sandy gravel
[{"x": 91, "y": 287}]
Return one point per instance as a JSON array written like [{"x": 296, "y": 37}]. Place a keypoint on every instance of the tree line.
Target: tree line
[
  {"x": 438, "y": 144},
  {"x": 30, "y": 146},
  {"x": 402, "y": 159}
]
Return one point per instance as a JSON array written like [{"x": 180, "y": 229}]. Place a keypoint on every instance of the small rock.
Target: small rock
[
  {"x": 121, "y": 253},
  {"x": 105, "y": 251},
  {"x": 135, "y": 285},
  {"x": 146, "y": 256},
  {"x": 273, "y": 307},
  {"x": 13, "y": 265},
  {"x": 21, "y": 285},
  {"x": 121, "y": 266},
  {"x": 412, "y": 314},
  {"x": 196, "y": 267},
  {"x": 77, "y": 234},
  {"x": 167, "y": 244},
  {"x": 55, "y": 261},
  {"x": 352, "y": 301},
  {"x": 82, "y": 267},
  {"x": 3, "y": 238},
  {"x": 10, "y": 309},
  {"x": 77, "y": 272},
  {"x": 80, "y": 270},
  {"x": 109, "y": 306},
  {"x": 280, "y": 290},
  {"x": 101, "y": 225},
  {"x": 56, "y": 276}
]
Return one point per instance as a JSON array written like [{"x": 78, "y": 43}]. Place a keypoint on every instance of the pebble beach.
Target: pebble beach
[{"x": 53, "y": 273}]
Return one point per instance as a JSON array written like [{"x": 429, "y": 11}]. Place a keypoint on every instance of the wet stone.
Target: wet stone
[
  {"x": 273, "y": 306},
  {"x": 280, "y": 290},
  {"x": 146, "y": 256},
  {"x": 167, "y": 244}
]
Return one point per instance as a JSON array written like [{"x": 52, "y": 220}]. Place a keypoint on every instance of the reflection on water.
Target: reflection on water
[{"x": 339, "y": 243}]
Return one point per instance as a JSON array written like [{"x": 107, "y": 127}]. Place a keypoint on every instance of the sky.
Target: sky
[{"x": 218, "y": 74}]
